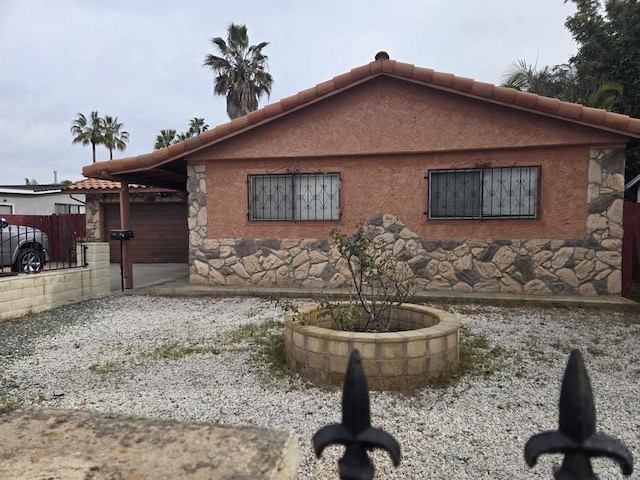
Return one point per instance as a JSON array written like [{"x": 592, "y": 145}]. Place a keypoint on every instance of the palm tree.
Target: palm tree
[
  {"x": 165, "y": 138},
  {"x": 241, "y": 71},
  {"x": 114, "y": 137},
  {"x": 197, "y": 126},
  {"x": 183, "y": 136},
  {"x": 526, "y": 78},
  {"x": 88, "y": 131}
]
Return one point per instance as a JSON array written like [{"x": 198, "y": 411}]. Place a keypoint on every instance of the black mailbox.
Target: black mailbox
[{"x": 121, "y": 235}]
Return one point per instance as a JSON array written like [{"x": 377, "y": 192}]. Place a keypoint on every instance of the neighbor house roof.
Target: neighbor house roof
[
  {"x": 32, "y": 189},
  {"x": 96, "y": 185},
  {"x": 167, "y": 166}
]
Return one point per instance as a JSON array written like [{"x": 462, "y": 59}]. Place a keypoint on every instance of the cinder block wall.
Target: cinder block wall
[{"x": 24, "y": 294}]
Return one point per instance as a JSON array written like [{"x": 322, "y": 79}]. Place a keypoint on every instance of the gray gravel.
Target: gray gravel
[{"x": 102, "y": 355}]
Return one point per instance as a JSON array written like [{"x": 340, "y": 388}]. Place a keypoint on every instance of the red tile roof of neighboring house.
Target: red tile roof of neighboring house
[
  {"x": 94, "y": 185},
  {"x": 552, "y": 107}
]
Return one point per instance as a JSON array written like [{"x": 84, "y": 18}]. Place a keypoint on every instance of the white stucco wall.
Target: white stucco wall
[{"x": 36, "y": 203}]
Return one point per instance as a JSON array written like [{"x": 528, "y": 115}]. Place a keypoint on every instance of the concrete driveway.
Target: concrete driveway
[{"x": 150, "y": 274}]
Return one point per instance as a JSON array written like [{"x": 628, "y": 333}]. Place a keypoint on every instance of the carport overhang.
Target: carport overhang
[{"x": 171, "y": 174}]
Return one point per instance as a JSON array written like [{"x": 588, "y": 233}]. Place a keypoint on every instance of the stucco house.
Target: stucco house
[{"x": 478, "y": 188}]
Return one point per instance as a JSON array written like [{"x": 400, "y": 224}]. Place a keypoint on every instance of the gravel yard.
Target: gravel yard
[{"x": 187, "y": 359}]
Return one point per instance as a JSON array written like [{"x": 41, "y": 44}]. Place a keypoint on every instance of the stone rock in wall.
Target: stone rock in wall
[
  {"x": 525, "y": 267},
  {"x": 615, "y": 212},
  {"x": 301, "y": 258},
  {"x": 246, "y": 247},
  {"x": 510, "y": 285},
  {"x": 216, "y": 277},
  {"x": 439, "y": 283},
  {"x": 318, "y": 257},
  {"x": 240, "y": 271},
  {"x": 487, "y": 286},
  {"x": 536, "y": 287},
  {"x": 486, "y": 269},
  {"x": 462, "y": 287},
  {"x": 587, "y": 289},
  {"x": 601, "y": 203},
  {"x": 468, "y": 276},
  {"x": 314, "y": 283},
  {"x": 463, "y": 263},
  {"x": 447, "y": 271},
  {"x": 615, "y": 230},
  {"x": 535, "y": 245},
  {"x": 612, "y": 244},
  {"x": 544, "y": 274},
  {"x": 302, "y": 271},
  {"x": 541, "y": 257},
  {"x": 614, "y": 283},
  {"x": 272, "y": 262},
  {"x": 251, "y": 264},
  {"x": 488, "y": 253},
  {"x": 613, "y": 259},
  {"x": 568, "y": 276},
  {"x": 616, "y": 182},
  {"x": 595, "y": 172},
  {"x": 406, "y": 234},
  {"x": 561, "y": 257},
  {"x": 583, "y": 269},
  {"x": 596, "y": 222},
  {"x": 504, "y": 257},
  {"x": 317, "y": 269}
]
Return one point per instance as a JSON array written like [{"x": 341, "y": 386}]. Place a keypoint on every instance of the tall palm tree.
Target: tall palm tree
[
  {"x": 241, "y": 71},
  {"x": 197, "y": 126},
  {"x": 88, "y": 131},
  {"x": 114, "y": 137},
  {"x": 165, "y": 138}
]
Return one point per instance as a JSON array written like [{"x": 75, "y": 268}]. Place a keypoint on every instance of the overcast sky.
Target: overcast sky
[{"x": 141, "y": 60}]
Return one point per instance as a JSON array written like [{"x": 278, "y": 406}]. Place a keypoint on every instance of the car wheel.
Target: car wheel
[{"x": 30, "y": 260}]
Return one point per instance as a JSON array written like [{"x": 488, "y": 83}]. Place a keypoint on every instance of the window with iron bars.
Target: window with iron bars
[
  {"x": 294, "y": 197},
  {"x": 506, "y": 192}
]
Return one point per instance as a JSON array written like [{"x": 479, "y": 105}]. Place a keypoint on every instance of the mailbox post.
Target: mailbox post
[{"x": 123, "y": 236}]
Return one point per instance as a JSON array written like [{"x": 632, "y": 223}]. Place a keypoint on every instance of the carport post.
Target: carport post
[{"x": 125, "y": 215}]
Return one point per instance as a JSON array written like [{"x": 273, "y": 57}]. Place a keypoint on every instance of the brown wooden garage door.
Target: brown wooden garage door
[{"x": 160, "y": 230}]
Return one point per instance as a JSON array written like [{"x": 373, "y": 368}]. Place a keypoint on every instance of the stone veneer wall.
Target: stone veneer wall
[
  {"x": 93, "y": 202},
  {"x": 538, "y": 266}
]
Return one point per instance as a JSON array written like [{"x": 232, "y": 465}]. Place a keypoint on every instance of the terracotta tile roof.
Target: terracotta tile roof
[
  {"x": 94, "y": 185},
  {"x": 591, "y": 117}
]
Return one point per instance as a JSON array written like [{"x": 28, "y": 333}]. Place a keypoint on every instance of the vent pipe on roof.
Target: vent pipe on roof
[{"x": 382, "y": 56}]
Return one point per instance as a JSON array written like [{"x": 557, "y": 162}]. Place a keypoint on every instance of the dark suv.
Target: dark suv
[{"x": 24, "y": 249}]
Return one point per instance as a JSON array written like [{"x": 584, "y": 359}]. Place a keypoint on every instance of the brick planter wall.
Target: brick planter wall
[{"x": 424, "y": 349}]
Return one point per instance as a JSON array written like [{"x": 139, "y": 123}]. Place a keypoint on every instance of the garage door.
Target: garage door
[{"x": 160, "y": 230}]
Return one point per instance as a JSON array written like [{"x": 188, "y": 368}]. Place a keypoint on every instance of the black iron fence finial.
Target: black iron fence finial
[
  {"x": 355, "y": 432},
  {"x": 576, "y": 436}
]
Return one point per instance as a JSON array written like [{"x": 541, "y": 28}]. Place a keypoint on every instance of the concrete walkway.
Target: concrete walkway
[
  {"x": 172, "y": 280},
  {"x": 182, "y": 288},
  {"x": 146, "y": 275}
]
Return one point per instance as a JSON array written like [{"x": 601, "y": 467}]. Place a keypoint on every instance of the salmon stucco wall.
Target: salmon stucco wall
[{"x": 573, "y": 248}]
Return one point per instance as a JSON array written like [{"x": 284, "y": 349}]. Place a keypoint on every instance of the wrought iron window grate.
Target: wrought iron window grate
[
  {"x": 506, "y": 192},
  {"x": 294, "y": 197}
]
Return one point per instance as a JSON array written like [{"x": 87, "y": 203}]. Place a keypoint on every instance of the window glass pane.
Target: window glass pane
[
  {"x": 6, "y": 209},
  {"x": 317, "y": 197},
  {"x": 454, "y": 194},
  {"x": 510, "y": 192},
  {"x": 295, "y": 197},
  {"x": 271, "y": 197}
]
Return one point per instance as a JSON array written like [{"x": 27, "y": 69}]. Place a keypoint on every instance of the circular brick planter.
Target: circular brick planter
[{"x": 423, "y": 348}]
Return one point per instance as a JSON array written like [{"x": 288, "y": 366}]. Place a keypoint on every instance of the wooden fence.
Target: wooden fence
[
  {"x": 631, "y": 249},
  {"x": 63, "y": 232}
]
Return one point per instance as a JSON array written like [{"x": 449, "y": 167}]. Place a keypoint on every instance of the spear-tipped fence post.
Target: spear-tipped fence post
[
  {"x": 576, "y": 436},
  {"x": 355, "y": 432}
]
